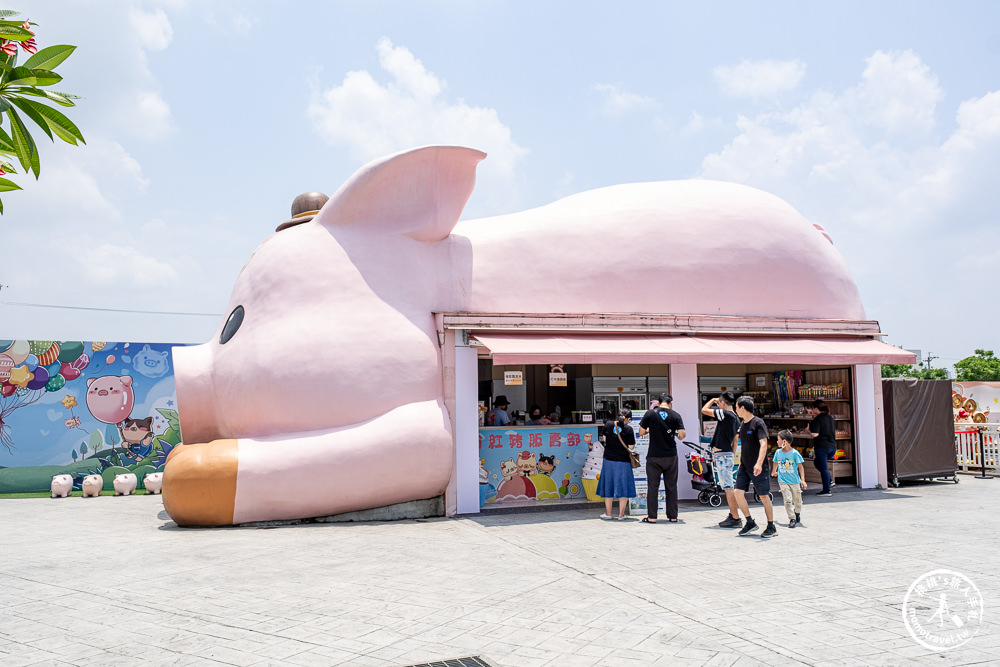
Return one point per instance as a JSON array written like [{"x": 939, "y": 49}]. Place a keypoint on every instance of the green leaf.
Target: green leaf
[
  {"x": 25, "y": 106},
  {"x": 27, "y": 153},
  {"x": 62, "y": 99},
  {"x": 45, "y": 77},
  {"x": 14, "y": 33},
  {"x": 50, "y": 57},
  {"x": 9, "y": 12},
  {"x": 22, "y": 76},
  {"x": 56, "y": 120},
  {"x": 6, "y": 143},
  {"x": 7, "y": 185}
]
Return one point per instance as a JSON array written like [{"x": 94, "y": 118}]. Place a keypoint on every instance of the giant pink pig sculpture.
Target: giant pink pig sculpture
[{"x": 323, "y": 392}]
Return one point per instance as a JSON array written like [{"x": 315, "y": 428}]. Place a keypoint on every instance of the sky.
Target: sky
[{"x": 203, "y": 120}]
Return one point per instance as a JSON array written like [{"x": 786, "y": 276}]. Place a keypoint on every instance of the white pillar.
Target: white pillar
[
  {"x": 684, "y": 389},
  {"x": 466, "y": 426},
  {"x": 866, "y": 455}
]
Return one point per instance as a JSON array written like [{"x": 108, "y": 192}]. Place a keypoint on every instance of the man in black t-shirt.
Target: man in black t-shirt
[
  {"x": 663, "y": 425},
  {"x": 824, "y": 432},
  {"x": 727, "y": 427},
  {"x": 754, "y": 465}
]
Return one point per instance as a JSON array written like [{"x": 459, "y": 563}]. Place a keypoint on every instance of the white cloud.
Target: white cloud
[
  {"x": 108, "y": 264},
  {"x": 695, "y": 125},
  {"x": 898, "y": 93},
  {"x": 88, "y": 179},
  {"x": 760, "y": 79},
  {"x": 371, "y": 119},
  {"x": 145, "y": 114},
  {"x": 152, "y": 28},
  {"x": 617, "y": 102},
  {"x": 868, "y": 163},
  {"x": 243, "y": 23}
]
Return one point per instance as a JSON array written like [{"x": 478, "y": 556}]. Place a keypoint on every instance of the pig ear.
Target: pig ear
[
  {"x": 419, "y": 193},
  {"x": 127, "y": 380},
  {"x": 91, "y": 381}
]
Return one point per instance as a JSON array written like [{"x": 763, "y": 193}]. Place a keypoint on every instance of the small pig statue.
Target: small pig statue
[
  {"x": 322, "y": 391},
  {"x": 153, "y": 482},
  {"x": 92, "y": 486},
  {"x": 124, "y": 484},
  {"x": 61, "y": 486}
]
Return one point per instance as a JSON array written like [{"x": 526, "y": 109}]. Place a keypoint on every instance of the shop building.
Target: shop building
[{"x": 620, "y": 360}]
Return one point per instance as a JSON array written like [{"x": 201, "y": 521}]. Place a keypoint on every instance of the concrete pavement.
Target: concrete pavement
[{"x": 112, "y": 581}]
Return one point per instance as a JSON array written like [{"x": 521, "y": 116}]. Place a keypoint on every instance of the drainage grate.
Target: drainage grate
[{"x": 471, "y": 661}]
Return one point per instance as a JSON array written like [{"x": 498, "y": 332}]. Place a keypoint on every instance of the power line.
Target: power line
[{"x": 106, "y": 310}]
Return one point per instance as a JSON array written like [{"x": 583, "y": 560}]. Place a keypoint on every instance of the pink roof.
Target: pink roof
[{"x": 516, "y": 348}]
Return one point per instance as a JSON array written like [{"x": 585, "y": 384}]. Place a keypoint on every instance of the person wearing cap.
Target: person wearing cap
[{"x": 498, "y": 415}]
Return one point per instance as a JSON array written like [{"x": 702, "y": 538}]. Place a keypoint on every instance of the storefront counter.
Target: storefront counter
[{"x": 518, "y": 463}]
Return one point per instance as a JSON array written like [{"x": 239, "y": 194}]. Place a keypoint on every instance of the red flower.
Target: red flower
[
  {"x": 29, "y": 45},
  {"x": 8, "y": 48},
  {"x": 27, "y": 26}
]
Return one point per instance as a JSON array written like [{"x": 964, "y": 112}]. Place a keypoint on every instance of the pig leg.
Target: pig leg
[{"x": 403, "y": 455}]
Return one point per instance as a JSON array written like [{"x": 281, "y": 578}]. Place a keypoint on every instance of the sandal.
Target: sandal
[
  {"x": 672, "y": 520},
  {"x": 645, "y": 519}
]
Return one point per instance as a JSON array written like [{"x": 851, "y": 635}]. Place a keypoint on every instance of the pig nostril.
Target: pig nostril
[{"x": 232, "y": 325}]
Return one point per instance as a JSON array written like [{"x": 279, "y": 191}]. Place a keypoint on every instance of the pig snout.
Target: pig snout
[
  {"x": 196, "y": 402},
  {"x": 103, "y": 392}
]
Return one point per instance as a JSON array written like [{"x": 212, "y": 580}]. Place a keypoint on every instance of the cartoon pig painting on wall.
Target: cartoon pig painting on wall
[{"x": 322, "y": 392}]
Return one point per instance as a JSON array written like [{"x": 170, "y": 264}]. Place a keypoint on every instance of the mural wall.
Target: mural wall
[
  {"x": 976, "y": 402},
  {"x": 83, "y": 408}
]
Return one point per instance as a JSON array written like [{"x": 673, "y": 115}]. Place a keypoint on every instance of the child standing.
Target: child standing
[{"x": 791, "y": 477}]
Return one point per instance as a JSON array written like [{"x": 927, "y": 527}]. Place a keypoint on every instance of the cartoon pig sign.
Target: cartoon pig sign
[{"x": 355, "y": 419}]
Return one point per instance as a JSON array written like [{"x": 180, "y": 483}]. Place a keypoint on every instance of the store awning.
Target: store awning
[{"x": 535, "y": 348}]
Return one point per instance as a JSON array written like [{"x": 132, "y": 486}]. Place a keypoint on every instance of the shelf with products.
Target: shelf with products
[{"x": 788, "y": 396}]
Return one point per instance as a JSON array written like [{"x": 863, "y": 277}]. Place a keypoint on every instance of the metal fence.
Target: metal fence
[{"x": 978, "y": 445}]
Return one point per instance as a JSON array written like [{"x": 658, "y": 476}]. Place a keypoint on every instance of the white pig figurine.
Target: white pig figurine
[
  {"x": 61, "y": 486},
  {"x": 153, "y": 482},
  {"x": 92, "y": 486},
  {"x": 125, "y": 484}
]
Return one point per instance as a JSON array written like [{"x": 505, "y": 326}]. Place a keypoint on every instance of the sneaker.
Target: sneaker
[
  {"x": 731, "y": 522},
  {"x": 607, "y": 516},
  {"x": 792, "y": 523},
  {"x": 824, "y": 494},
  {"x": 770, "y": 531},
  {"x": 749, "y": 527}
]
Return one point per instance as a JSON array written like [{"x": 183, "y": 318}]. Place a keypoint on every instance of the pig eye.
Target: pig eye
[{"x": 232, "y": 325}]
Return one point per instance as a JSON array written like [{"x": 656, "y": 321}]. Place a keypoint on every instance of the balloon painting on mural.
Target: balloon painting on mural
[
  {"x": 110, "y": 398},
  {"x": 28, "y": 370}
]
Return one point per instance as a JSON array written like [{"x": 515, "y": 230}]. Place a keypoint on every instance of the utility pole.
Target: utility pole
[{"x": 930, "y": 358}]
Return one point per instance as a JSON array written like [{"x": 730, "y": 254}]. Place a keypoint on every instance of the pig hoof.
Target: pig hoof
[{"x": 199, "y": 483}]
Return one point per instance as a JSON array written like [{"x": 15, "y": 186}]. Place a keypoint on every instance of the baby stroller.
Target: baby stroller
[{"x": 701, "y": 465}]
